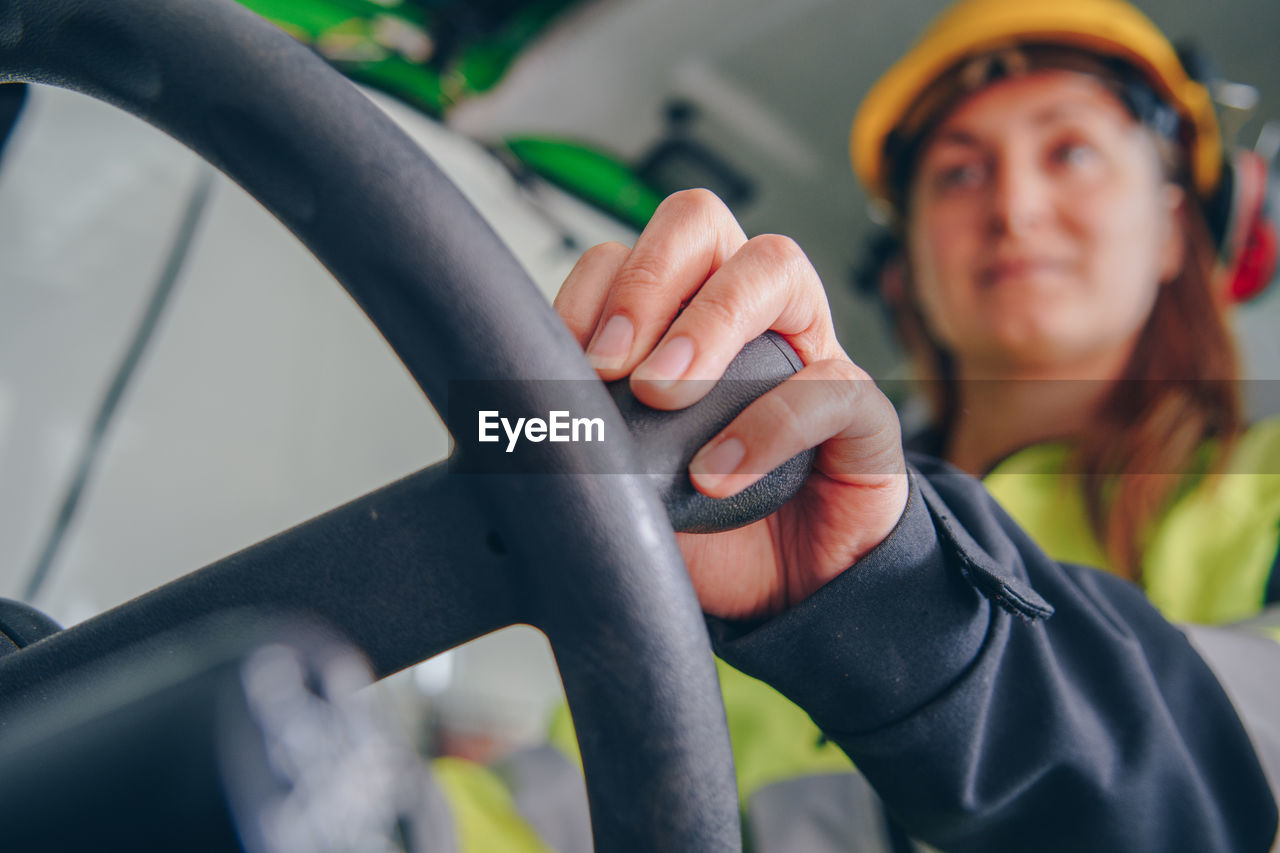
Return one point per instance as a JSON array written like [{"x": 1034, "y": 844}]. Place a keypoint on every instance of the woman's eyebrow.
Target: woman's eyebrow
[
  {"x": 956, "y": 136},
  {"x": 1049, "y": 114},
  {"x": 1056, "y": 112}
]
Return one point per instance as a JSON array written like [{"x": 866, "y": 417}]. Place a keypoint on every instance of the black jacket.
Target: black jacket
[{"x": 998, "y": 700}]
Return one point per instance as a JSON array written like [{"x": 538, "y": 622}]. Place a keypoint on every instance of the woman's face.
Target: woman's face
[{"x": 1041, "y": 228}]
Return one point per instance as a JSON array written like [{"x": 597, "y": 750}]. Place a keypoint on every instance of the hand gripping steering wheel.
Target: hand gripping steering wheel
[{"x": 435, "y": 559}]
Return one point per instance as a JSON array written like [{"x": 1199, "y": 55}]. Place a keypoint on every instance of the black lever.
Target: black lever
[{"x": 667, "y": 441}]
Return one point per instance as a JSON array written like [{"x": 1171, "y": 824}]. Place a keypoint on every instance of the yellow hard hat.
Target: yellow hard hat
[{"x": 1108, "y": 28}]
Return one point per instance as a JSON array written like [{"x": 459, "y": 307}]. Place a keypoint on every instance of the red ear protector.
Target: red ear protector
[
  {"x": 1247, "y": 236},
  {"x": 1238, "y": 212}
]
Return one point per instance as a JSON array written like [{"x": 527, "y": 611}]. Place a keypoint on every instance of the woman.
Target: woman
[{"x": 1046, "y": 164}]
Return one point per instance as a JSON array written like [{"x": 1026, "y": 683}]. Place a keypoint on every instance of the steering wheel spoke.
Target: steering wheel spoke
[{"x": 404, "y": 572}]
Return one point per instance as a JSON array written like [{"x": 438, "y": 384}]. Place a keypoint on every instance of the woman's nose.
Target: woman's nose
[{"x": 1020, "y": 198}]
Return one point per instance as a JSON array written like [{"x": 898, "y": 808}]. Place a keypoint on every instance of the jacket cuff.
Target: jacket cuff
[{"x": 879, "y": 641}]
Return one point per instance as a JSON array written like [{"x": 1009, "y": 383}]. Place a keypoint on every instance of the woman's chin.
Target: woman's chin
[{"x": 1050, "y": 356}]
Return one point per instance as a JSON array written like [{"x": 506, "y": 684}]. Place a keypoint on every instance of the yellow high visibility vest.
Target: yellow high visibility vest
[{"x": 1209, "y": 556}]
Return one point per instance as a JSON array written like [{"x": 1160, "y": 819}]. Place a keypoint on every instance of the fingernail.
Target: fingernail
[
  {"x": 668, "y": 363},
  {"x": 610, "y": 348},
  {"x": 712, "y": 464}
]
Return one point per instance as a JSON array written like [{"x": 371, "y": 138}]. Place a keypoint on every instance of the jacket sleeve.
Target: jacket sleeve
[{"x": 998, "y": 700}]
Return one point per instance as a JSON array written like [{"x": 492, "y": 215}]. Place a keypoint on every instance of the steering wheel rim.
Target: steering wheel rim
[{"x": 368, "y": 202}]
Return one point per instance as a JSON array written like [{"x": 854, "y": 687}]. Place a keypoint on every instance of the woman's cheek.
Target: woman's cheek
[
  {"x": 1124, "y": 263},
  {"x": 933, "y": 276}
]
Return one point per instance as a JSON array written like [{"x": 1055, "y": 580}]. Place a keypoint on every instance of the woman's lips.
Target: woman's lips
[{"x": 1020, "y": 269}]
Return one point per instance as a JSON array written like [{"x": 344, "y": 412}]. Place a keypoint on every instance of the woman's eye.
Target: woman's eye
[
  {"x": 1075, "y": 154},
  {"x": 960, "y": 176}
]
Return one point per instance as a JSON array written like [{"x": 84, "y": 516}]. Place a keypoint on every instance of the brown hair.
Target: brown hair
[{"x": 1178, "y": 391}]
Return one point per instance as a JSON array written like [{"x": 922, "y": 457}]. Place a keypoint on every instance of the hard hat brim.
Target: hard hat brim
[{"x": 1106, "y": 27}]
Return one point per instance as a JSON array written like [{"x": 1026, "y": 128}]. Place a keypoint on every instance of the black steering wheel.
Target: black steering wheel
[{"x": 435, "y": 559}]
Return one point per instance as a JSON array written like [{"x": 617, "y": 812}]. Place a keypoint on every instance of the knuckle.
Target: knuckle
[
  {"x": 841, "y": 384},
  {"x": 699, "y": 207},
  {"x": 638, "y": 276},
  {"x": 849, "y": 383},
  {"x": 780, "y": 250},
  {"x": 782, "y": 417},
  {"x": 857, "y": 392},
  {"x": 694, "y": 201},
  {"x": 715, "y": 310},
  {"x": 592, "y": 270},
  {"x": 604, "y": 251}
]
